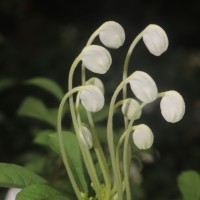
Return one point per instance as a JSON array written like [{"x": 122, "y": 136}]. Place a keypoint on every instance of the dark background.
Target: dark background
[{"x": 42, "y": 38}]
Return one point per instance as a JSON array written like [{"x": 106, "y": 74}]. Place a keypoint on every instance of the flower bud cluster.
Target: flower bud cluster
[
  {"x": 144, "y": 88},
  {"x": 97, "y": 59}
]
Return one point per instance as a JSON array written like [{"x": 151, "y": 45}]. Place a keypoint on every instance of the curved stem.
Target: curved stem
[
  {"x": 89, "y": 42},
  {"x": 60, "y": 139},
  {"x": 117, "y": 177},
  {"x": 85, "y": 154},
  {"x": 118, "y": 151},
  {"x": 97, "y": 146},
  {"x": 126, "y": 154},
  {"x": 100, "y": 155},
  {"x": 77, "y": 107},
  {"x": 126, "y": 161},
  {"x": 126, "y": 63}
]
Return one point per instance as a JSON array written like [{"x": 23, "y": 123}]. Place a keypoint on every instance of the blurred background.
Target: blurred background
[{"x": 42, "y": 38}]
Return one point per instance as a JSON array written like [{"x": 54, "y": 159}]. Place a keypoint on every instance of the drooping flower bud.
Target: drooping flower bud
[
  {"x": 97, "y": 82},
  {"x": 172, "y": 106},
  {"x": 96, "y": 59},
  {"x": 131, "y": 108},
  {"x": 86, "y": 136},
  {"x": 143, "y": 137},
  {"x": 143, "y": 86},
  {"x": 155, "y": 39},
  {"x": 92, "y": 98},
  {"x": 112, "y": 34}
]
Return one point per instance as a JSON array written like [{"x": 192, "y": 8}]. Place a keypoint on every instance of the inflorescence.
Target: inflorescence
[{"x": 90, "y": 94}]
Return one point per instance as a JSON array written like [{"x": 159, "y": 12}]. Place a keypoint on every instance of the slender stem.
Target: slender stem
[
  {"x": 126, "y": 154},
  {"x": 85, "y": 154},
  {"x": 100, "y": 155},
  {"x": 117, "y": 177},
  {"x": 89, "y": 42},
  {"x": 118, "y": 151},
  {"x": 161, "y": 94},
  {"x": 126, "y": 161},
  {"x": 93, "y": 36},
  {"x": 97, "y": 146},
  {"x": 60, "y": 139},
  {"x": 77, "y": 107},
  {"x": 126, "y": 63}
]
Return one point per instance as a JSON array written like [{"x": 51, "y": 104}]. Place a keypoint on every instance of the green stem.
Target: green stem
[
  {"x": 97, "y": 146},
  {"x": 89, "y": 42},
  {"x": 126, "y": 154},
  {"x": 85, "y": 154},
  {"x": 60, "y": 139},
  {"x": 117, "y": 177},
  {"x": 100, "y": 155},
  {"x": 126, "y": 161},
  {"x": 77, "y": 107},
  {"x": 118, "y": 151},
  {"x": 126, "y": 63}
]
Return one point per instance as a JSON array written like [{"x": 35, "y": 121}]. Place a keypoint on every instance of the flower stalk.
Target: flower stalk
[{"x": 90, "y": 94}]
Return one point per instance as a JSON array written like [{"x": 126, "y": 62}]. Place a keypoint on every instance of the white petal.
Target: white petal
[
  {"x": 172, "y": 106},
  {"x": 86, "y": 137},
  {"x": 96, "y": 59},
  {"x": 143, "y": 137},
  {"x": 131, "y": 108},
  {"x": 97, "y": 82},
  {"x": 112, "y": 34},
  {"x": 92, "y": 98},
  {"x": 143, "y": 86},
  {"x": 155, "y": 39}
]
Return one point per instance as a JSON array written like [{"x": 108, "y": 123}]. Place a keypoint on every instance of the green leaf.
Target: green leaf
[
  {"x": 40, "y": 192},
  {"x": 48, "y": 85},
  {"x": 35, "y": 108},
  {"x": 189, "y": 185},
  {"x": 73, "y": 155},
  {"x": 42, "y": 137},
  {"x": 12, "y": 175}
]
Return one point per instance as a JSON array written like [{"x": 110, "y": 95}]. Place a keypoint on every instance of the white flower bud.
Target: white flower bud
[
  {"x": 143, "y": 86},
  {"x": 143, "y": 137},
  {"x": 172, "y": 106},
  {"x": 155, "y": 39},
  {"x": 86, "y": 137},
  {"x": 12, "y": 193},
  {"x": 96, "y": 59},
  {"x": 97, "y": 82},
  {"x": 92, "y": 98},
  {"x": 131, "y": 108},
  {"x": 112, "y": 34}
]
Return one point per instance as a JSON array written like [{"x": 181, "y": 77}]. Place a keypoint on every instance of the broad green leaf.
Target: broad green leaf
[
  {"x": 35, "y": 108},
  {"x": 189, "y": 185},
  {"x": 16, "y": 176},
  {"x": 48, "y": 85},
  {"x": 40, "y": 192},
  {"x": 73, "y": 155}
]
